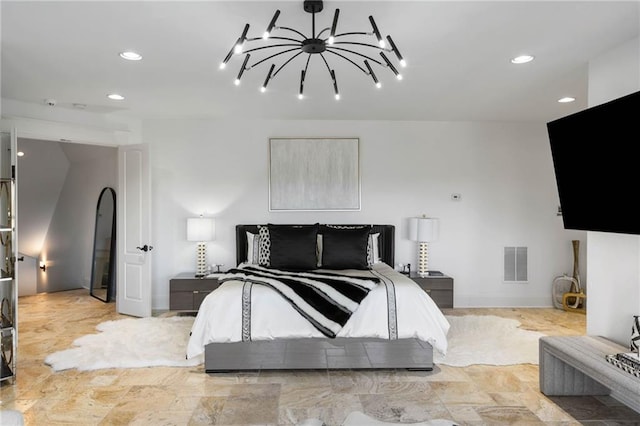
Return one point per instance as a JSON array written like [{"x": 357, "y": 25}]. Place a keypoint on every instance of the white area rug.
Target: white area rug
[
  {"x": 130, "y": 343},
  {"x": 151, "y": 342},
  {"x": 488, "y": 339}
]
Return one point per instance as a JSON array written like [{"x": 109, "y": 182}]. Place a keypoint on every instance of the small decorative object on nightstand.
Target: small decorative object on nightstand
[
  {"x": 424, "y": 230},
  {"x": 438, "y": 286},
  {"x": 187, "y": 292},
  {"x": 201, "y": 229}
]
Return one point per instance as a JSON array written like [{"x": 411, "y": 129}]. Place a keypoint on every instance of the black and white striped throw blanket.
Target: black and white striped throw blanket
[{"x": 327, "y": 300}]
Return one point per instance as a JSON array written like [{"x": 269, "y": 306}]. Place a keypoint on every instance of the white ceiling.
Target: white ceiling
[{"x": 457, "y": 52}]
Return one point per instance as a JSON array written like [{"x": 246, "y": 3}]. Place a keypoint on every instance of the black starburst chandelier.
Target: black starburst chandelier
[{"x": 326, "y": 43}]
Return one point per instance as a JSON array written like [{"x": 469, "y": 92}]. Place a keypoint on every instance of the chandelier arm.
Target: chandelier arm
[
  {"x": 347, "y": 59},
  {"x": 326, "y": 63},
  {"x": 285, "y": 38},
  {"x": 332, "y": 75},
  {"x": 273, "y": 56},
  {"x": 323, "y": 30},
  {"x": 331, "y": 48},
  {"x": 353, "y": 33},
  {"x": 287, "y": 61},
  {"x": 295, "y": 31},
  {"x": 271, "y": 45},
  {"x": 307, "y": 64},
  {"x": 361, "y": 44}
]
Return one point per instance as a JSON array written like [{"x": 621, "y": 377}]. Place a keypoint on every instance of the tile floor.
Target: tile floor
[{"x": 475, "y": 395}]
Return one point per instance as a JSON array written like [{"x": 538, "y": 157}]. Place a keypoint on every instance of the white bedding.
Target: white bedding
[{"x": 220, "y": 316}]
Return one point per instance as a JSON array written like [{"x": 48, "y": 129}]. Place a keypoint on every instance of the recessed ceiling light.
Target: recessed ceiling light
[
  {"x": 566, "y": 100},
  {"x": 20, "y": 154},
  {"x": 115, "y": 97},
  {"x": 130, "y": 55},
  {"x": 522, "y": 59}
]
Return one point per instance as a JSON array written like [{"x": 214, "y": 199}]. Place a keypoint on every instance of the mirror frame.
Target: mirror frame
[{"x": 107, "y": 191}]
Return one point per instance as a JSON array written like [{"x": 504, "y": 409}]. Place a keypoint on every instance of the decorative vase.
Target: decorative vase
[
  {"x": 576, "y": 287},
  {"x": 569, "y": 284}
]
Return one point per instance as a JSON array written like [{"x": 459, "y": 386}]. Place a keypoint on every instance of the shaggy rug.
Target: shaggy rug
[
  {"x": 155, "y": 341},
  {"x": 130, "y": 343},
  {"x": 488, "y": 339}
]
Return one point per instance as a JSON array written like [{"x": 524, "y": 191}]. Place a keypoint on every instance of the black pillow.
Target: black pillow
[
  {"x": 345, "y": 248},
  {"x": 293, "y": 247}
]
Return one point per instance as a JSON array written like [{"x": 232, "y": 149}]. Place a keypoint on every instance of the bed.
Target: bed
[{"x": 256, "y": 320}]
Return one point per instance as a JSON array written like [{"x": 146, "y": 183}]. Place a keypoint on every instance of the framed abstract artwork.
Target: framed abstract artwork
[{"x": 314, "y": 174}]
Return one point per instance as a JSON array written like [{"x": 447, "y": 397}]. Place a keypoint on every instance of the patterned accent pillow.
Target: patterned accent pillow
[{"x": 264, "y": 249}]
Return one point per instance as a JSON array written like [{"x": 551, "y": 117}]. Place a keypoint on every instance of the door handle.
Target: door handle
[{"x": 145, "y": 248}]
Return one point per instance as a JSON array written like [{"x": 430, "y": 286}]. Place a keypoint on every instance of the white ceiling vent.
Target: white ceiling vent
[{"x": 515, "y": 265}]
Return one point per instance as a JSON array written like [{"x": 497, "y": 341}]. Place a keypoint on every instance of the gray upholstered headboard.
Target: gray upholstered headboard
[{"x": 386, "y": 241}]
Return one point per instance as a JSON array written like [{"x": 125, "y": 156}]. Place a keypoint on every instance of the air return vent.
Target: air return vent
[{"x": 515, "y": 264}]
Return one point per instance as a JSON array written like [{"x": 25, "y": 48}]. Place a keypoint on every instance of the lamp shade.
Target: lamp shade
[
  {"x": 201, "y": 229},
  {"x": 423, "y": 229}
]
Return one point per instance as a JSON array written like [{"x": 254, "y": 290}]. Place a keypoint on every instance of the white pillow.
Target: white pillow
[
  {"x": 252, "y": 248},
  {"x": 373, "y": 249}
]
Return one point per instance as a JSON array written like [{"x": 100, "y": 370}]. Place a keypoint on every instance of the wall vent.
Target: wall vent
[{"x": 515, "y": 264}]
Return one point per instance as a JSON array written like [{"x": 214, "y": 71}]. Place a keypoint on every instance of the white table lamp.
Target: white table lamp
[
  {"x": 201, "y": 229},
  {"x": 424, "y": 230}
]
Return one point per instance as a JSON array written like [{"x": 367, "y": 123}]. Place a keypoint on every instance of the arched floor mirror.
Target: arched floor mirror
[{"x": 103, "y": 265}]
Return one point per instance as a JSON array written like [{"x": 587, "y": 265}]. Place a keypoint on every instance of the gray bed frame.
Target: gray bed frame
[{"x": 319, "y": 353}]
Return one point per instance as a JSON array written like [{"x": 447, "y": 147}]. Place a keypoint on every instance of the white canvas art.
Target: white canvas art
[{"x": 314, "y": 174}]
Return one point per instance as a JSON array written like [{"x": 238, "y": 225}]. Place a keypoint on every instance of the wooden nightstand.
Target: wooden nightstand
[
  {"x": 439, "y": 287},
  {"x": 186, "y": 292}
]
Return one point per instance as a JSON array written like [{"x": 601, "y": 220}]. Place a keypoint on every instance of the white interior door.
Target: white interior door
[{"x": 133, "y": 294}]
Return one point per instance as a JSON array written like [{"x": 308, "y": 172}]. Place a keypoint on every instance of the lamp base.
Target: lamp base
[
  {"x": 201, "y": 260},
  {"x": 423, "y": 271}
]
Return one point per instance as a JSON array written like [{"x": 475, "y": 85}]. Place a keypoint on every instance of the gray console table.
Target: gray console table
[{"x": 576, "y": 365}]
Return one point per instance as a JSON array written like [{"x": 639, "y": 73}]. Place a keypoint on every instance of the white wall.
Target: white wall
[
  {"x": 41, "y": 175},
  {"x": 613, "y": 259},
  {"x": 27, "y": 276},
  {"x": 503, "y": 171},
  {"x": 68, "y": 246}
]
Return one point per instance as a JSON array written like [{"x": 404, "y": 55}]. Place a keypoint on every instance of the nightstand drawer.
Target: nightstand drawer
[
  {"x": 195, "y": 284},
  {"x": 443, "y": 298},
  {"x": 439, "y": 288},
  {"x": 186, "y": 292}
]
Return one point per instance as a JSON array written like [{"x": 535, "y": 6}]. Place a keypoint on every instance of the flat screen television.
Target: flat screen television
[{"x": 597, "y": 166}]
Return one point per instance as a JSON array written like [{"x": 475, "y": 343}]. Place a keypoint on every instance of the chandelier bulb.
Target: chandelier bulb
[
  {"x": 263, "y": 89},
  {"x": 265, "y": 36},
  {"x": 382, "y": 44},
  {"x": 378, "y": 85},
  {"x": 237, "y": 82},
  {"x": 403, "y": 63},
  {"x": 337, "y": 96},
  {"x": 222, "y": 65},
  {"x": 300, "y": 96},
  {"x": 331, "y": 40},
  {"x": 399, "y": 76},
  {"x": 237, "y": 49}
]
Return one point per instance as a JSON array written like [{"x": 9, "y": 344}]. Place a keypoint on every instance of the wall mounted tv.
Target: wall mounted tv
[{"x": 597, "y": 166}]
